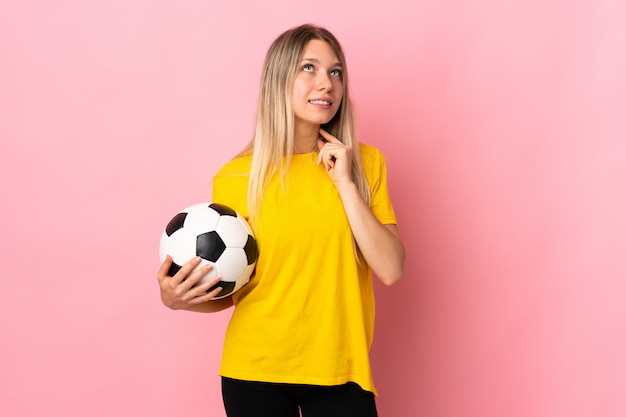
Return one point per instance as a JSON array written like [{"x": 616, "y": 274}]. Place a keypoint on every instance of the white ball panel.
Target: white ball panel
[
  {"x": 245, "y": 224},
  {"x": 240, "y": 284},
  {"x": 232, "y": 232},
  {"x": 201, "y": 218},
  {"x": 231, "y": 263},
  {"x": 181, "y": 246},
  {"x": 209, "y": 275},
  {"x": 245, "y": 277},
  {"x": 163, "y": 246}
]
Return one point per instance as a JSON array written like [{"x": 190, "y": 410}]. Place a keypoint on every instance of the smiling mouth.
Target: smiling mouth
[{"x": 320, "y": 102}]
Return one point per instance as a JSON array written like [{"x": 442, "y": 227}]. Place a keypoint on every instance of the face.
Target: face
[{"x": 318, "y": 86}]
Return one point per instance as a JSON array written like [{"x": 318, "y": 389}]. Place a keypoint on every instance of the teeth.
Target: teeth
[{"x": 322, "y": 102}]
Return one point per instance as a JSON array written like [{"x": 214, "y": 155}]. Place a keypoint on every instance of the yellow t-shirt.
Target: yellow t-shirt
[{"x": 307, "y": 315}]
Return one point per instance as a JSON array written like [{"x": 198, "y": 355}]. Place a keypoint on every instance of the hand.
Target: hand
[
  {"x": 336, "y": 157},
  {"x": 180, "y": 292}
]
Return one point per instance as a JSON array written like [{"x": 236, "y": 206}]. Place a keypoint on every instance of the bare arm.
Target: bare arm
[
  {"x": 380, "y": 244},
  {"x": 180, "y": 293}
]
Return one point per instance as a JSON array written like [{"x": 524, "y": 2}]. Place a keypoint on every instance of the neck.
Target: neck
[{"x": 305, "y": 138}]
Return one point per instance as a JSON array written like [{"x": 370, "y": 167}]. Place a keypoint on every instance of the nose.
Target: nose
[{"x": 324, "y": 82}]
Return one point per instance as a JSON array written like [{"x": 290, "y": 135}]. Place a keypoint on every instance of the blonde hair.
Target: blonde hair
[{"x": 273, "y": 145}]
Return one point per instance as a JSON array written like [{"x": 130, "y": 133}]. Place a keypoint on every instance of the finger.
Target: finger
[
  {"x": 205, "y": 297},
  {"x": 192, "y": 286},
  {"x": 205, "y": 291},
  {"x": 329, "y": 162},
  {"x": 320, "y": 144},
  {"x": 214, "y": 292},
  {"x": 327, "y": 150},
  {"x": 206, "y": 285},
  {"x": 190, "y": 276},
  {"x": 326, "y": 158},
  {"x": 329, "y": 137},
  {"x": 182, "y": 274},
  {"x": 165, "y": 267},
  {"x": 195, "y": 278}
]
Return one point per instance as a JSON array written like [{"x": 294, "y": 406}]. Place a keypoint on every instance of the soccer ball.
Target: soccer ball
[{"x": 218, "y": 235}]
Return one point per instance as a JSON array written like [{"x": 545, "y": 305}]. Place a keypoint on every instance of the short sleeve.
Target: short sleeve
[
  {"x": 376, "y": 173},
  {"x": 230, "y": 185}
]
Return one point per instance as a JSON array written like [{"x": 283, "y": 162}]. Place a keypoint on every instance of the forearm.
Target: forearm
[
  {"x": 380, "y": 244},
  {"x": 212, "y": 306}
]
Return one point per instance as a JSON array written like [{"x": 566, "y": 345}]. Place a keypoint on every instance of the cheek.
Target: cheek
[
  {"x": 299, "y": 88},
  {"x": 297, "y": 93},
  {"x": 339, "y": 91},
  {"x": 337, "y": 85}
]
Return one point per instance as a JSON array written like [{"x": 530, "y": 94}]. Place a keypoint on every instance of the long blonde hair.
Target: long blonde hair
[{"x": 275, "y": 120}]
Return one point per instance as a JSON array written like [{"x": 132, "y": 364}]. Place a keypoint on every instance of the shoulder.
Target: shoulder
[
  {"x": 371, "y": 157},
  {"x": 237, "y": 167},
  {"x": 230, "y": 184},
  {"x": 367, "y": 149},
  {"x": 370, "y": 153}
]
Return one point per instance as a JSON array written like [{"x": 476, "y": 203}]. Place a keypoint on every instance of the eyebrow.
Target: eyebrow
[{"x": 336, "y": 64}]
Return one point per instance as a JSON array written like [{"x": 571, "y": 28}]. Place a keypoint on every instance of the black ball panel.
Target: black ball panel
[
  {"x": 251, "y": 250},
  {"x": 223, "y": 210},
  {"x": 209, "y": 246},
  {"x": 227, "y": 288},
  {"x": 176, "y": 223},
  {"x": 174, "y": 268}
]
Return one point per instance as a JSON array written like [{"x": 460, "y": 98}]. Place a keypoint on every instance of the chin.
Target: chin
[
  {"x": 311, "y": 121},
  {"x": 324, "y": 120}
]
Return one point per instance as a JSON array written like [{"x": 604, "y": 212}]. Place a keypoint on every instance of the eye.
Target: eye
[
  {"x": 308, "y": 68},
  {"x": 335, "y": 73}
]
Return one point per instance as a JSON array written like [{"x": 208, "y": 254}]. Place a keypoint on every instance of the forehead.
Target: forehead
[{"x": 319, "y": 50}]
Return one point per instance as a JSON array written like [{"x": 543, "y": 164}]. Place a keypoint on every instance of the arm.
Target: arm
[
  {"x": 180, "y": 293},
  {"x": 380, "y": 244}
]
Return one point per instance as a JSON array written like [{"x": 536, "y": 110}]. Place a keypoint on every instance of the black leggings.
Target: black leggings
[{"x": 264, "y": 399}]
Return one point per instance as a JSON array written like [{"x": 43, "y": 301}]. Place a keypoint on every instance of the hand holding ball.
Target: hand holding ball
[{"x": 218, "y": 235}]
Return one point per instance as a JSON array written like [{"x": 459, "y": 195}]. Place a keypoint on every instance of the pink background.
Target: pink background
[{"x": 504, "y": 128}]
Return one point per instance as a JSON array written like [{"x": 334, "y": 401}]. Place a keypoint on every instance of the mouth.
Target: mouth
[{"x": 321, "y": 102}]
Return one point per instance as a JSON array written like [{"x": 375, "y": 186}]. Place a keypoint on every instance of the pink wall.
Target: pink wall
[{"x": 503, "y": 126}]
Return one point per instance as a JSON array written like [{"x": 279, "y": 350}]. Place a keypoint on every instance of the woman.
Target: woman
[{"x": 317, "y": 200}]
